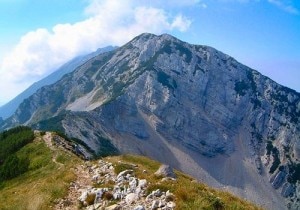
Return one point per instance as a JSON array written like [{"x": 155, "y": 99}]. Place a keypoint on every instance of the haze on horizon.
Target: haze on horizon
[{"x": 36, "y": 37}]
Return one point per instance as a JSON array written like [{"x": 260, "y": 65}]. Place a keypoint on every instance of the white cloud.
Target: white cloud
[
  {"x": 108, "y": 22},
  {"x": 181, "y": 22},
  {"x": 286, "y": 5}
]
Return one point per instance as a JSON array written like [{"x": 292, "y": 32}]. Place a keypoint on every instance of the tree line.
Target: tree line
[{"x": 11, "y": 141}]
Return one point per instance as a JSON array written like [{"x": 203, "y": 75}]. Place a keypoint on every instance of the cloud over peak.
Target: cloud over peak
[{"x": 107, "y": 22}]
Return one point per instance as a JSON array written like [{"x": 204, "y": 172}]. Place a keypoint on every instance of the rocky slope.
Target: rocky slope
[{"x": 190, "y": 106}]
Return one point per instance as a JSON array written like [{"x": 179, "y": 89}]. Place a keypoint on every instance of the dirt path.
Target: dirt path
[
  {"x": 48, "y": 140},
  {"x": 83, "y": 179}
]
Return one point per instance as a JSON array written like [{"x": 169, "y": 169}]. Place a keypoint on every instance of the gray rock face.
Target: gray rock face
[
  {"x": 189, "y": 106},
  {"x": 287, "y": 190},
  {"x": 278, "y": 180},
  {"x": 165, "y": 171}
]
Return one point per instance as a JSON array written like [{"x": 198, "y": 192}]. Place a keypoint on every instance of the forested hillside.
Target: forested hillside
[{"x": 11, "y": 141}]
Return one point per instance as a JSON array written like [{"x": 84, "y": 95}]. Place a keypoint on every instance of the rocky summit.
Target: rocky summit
[{"x": 189, "y": 106}]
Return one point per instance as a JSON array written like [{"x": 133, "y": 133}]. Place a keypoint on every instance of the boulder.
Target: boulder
[
  {"x": 139, "y": 207},
  {"x": 124, "y": 173},
  {"x": 131, "y": 198},
  {"x": 165, "y": 171},
  {"x": 142, "y": 183}
]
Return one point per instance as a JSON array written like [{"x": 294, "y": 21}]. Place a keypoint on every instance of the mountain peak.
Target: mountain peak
[{"x": 189, "y": 106}]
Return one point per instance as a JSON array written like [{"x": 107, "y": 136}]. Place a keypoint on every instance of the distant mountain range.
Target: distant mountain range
[
  {"x": 190, "y": 106},
  {"x": 8, "y": 109}
]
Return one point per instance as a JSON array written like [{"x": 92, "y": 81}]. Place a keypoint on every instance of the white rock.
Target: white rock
[
  {"x": 128, "y": 176},
  {"x": 131, "y": 198},
  {"x": 165, "y": 179},
  {"x": 139, "y": 208},
  {"x": 83, "y": 196},
  {"x": 171, "y": 204},
  {"x": 124, "y": 173},
  {"x": 96, "y": 177},
  {"x": 133, "y": 184},
  {"x": 118, "y": 195},
  {"x": 142, "y": 183},
  {"x": 138, "y": 191}
]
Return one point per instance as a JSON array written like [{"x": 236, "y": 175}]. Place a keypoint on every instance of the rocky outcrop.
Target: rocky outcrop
[
  {"x": 165, "y": 171},
  {"x": 125, "y": 191},
  {"x": 189, "y": 106}
]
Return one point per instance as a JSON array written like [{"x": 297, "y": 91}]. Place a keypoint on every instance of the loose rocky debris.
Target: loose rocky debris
[{"x": 115, "y": 192}]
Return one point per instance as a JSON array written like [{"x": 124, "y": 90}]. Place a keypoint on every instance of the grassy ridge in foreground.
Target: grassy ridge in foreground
[
  {"x": 47, "y": 178},
  {"x": 50, "y": 173}
]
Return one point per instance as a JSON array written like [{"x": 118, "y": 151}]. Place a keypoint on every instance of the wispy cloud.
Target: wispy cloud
[
  {"x": 114, "y": 22},
  {"x": 239, "y": 1},
  {"x": 285, "y": 5}
]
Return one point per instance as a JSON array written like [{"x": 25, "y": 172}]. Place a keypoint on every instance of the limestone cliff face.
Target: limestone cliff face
[{"x": 190, "y": 106}]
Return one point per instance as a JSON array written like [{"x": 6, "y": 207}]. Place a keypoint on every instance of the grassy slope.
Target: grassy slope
[
  {"x": 48, "y": 180},
  {"x": 45, "y": 181},
  {"x": 189, "y": 193}
]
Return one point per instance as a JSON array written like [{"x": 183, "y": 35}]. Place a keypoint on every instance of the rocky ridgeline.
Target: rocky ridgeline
[{"x": 120, "y": 191}]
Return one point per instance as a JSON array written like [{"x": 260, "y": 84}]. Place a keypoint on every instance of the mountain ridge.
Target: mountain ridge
[
  {"x": 55, "y": 178},
  {"x": 9, "y": 108},
  {"x": 190, "y": 106}
]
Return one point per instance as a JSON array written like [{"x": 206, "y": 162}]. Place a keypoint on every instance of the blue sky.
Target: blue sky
[{"x": 36, "y": 37}]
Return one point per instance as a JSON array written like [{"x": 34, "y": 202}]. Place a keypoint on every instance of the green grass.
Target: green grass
[
  {"x": 50, "y": 173},
  {"x": 122, "y": 167},
  {"x": 188, "y": 193},
  {"x": 43, "y": 183}
]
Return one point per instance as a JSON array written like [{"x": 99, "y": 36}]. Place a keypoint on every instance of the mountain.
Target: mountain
[
  {"x": 8, "y": 109},
  {"x": 190, "y": 106}
]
